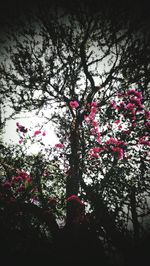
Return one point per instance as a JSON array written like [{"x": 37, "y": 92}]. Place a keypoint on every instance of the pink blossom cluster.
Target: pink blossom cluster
[
  {"x": 130, "y": 106},
  {"x": 116, "y": 146},
  {"x": 22, "y": 130},
  {"x": 135, "y": 93},
  {"x": 17, "y": 183},
  {"x": 73, "y": 104},
  {"x": 145, "y": 141},
  {"x": 118, "y": 143},
  {"x": 113, "y": 145},
  {"x": 94, "y": 152},
  {"x": 90, "y": 120},
  {"x": 37, "y": 132}
]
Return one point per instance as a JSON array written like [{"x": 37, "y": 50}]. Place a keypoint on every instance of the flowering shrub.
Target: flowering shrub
[
  {"x": 19, "y": 186},
  {"x": 111, "y": 135}
]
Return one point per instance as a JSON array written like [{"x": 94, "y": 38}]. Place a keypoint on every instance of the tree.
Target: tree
[{"x": 57, "y": 59}]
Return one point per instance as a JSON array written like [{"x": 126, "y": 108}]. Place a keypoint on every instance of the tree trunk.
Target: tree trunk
[{"x": 72, "y": 186}]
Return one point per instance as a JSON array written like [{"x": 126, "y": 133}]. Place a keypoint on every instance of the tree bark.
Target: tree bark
[{"x": 72, "y": 186}]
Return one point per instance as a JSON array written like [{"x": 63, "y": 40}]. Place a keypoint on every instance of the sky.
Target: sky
[{"x": 29, "y": 120}]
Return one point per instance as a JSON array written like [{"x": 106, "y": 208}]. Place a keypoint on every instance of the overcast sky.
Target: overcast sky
[{"x": 29, "y": 120}]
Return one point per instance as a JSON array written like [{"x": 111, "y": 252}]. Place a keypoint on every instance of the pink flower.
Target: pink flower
[
  {"x": 59, "y": 145},
  {"x": 119, "y": 95},
  {"x": 94, "y": 123},
  {"x": 113, "y": 104},
  {"x": 115, "y": 142},
  {"x": 122, "y": 106},
  {"x": 94, "y": 104},
  {"x": 111, "y": 141},
  {"x": 87, "y": 119},
  {"x": 98, "y": 137},
  {"x": 93, "y": 132},
  {"x": 74, "y": 104},
  {"x": 96, "y": 150},
  {"x": 37, "y": 132},
  {"x": 137, "y": 101},
  {"x": 130, "y": 106},
  {"x": 134, "y": 92},
  {"x": 144, "y": 141},
  {"x": 44, "y": 134},
  {"x": 93, "y": 110},
  {"x": 92, "y": 115},
  {"x": 95, "y": 155},
  {"x": 117, "y": 122}
]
